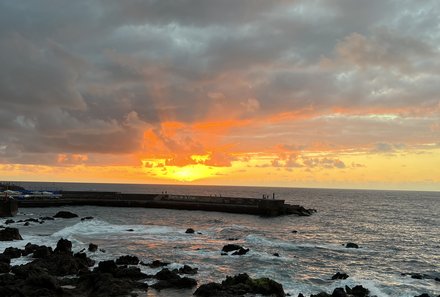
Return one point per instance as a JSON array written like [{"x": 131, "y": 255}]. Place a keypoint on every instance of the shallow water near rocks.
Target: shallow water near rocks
[{"x": 397, "y": 233}]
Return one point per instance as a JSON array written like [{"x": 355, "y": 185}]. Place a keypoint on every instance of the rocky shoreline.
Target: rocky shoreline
[{"x": 58, "y": 271}]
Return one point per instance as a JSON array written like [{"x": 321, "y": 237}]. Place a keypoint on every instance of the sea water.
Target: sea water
[{"x": 397, "y": 231}]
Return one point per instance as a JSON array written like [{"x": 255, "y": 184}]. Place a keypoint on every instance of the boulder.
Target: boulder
[
  {"x": 276, "y": 254},
  {"x": 170, "y": 279},
  {"x": 351, "y": 245},
  {"x": 42, "y": 252},
  {"x": 241, "y": 251},
  {"x": 230, "y": 247},
  {"x": 103, "y": 285},
  {"x": 31, "y": 220},
  {"x": 65, "y": 215},
  {"x": 127, "y": 260},
  {"x": 129, "y": 272},
  {"x": 189, "y": 231},
  {"x": 108, "y": 266},
  {"x": 9, "y": 234},
  {"x": 12, "y": 252},
  {"x": 242, "y": 284},
  {"x": 339, "y": 275},
  {"x": 186, "y": 269},
  {"x": 92, "y": 248},
  {"x": 339, "y": 292},
  {"x": 9, "y": 221},
  {"x": 63, "y": 246}
]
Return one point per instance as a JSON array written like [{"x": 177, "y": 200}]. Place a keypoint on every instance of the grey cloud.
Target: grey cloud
[{"x": 74, "y": 71}]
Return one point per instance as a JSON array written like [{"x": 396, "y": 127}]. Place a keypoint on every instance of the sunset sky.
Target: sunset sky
[{"x": 330, "y": 93}]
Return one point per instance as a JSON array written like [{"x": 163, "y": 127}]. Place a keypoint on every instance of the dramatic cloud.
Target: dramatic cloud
[{"x": 293, "y": 84}]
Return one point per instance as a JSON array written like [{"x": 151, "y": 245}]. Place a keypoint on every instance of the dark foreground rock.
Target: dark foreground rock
[
  {"x": 351, "y": 245},
  {"x": 9, "y": 234},
  {"x": 240, "y": 285},
  {"x": 339, "y": 275},
  {"x": 65, "y": 215},
  {"x": 357, "y": 291},
  {"x": 127, "y": 260},
  {"x": 93, "y": 247},
  {"x": 170, "y": 279}
]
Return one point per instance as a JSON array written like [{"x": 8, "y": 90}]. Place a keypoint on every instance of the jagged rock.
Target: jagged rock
[
  {"x": 416, "y": 276},
  {"x": 352, "y": 245},
  {"x": 42, "y": 251},
  {"x": 241, "y": 284},
  {"x": 339, "y": 275},
  {"x": 276, "y": 254},
  {"x": 63, "y": 246},
  {"x": 230, "y": 247},
  {"x": 129, "y": 272},
  {"x": 12, "y": 252},
  {"x": 84, "y": 259},
  {"x": 108, "y": 266},
  {"x": 47, "y": 218},
  {"x": 26, "y": 224},
  {"x": 65, "y": 215},
  {"x": 359, "y": 291},
  {"x": 339, "y": 292},
  {"x": 189, "y": 231},
  {"x": 9, "y": 234},
  {"x": 241, "y": 251},
  {"x": 92, "y": 248},
  {"x": 127, "y": 260},
  {"x": 170, "y": 279},
  {"x": 423, "y": 295},
  {"x": 103, "y": 285},
  {"x": 9, "y": 221},
  {"x": 186, "y": 269}
]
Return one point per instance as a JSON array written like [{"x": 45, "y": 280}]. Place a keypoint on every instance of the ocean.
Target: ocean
[{"x": 397, "y": 231}]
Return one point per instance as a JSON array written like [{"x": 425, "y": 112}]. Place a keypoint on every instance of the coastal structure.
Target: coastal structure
[{"x": 253, "y": 206}]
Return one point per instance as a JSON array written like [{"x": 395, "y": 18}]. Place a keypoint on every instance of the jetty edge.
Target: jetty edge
[{"x": 251, "y": 206}]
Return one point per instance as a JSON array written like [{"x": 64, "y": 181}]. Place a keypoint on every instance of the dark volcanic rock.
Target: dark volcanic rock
[
  {"x": 65, "y": 215},
  {"x": 9, "y": 221},
  {"x": 5, "y": 259},
  {"x": 241, "y": 251},
  {"x": 170, "y": 279},
  {"x": 241, "y": 284},
  {"x": 189, "y": 231},
  {"x": 127, "y": 260},
  {"x": 93, "y": 248},
  {"x": 63, "y": 246},
  {"x": 186, "y": 269},
  {"x": 276, "y": 254},
  {"x": 41, "y": 251},
  {"x": 31, "y": 220},
  {"x": 129, "y": 272},
  {"x": 339, "y": 292},
  {"x": 230, "y": 247},
  {"x": 4, "y": 267},
  {"x": 87, "y": 218},
  {"x": 339, "y": 275},
  {"x": 108, "y": 266},
  {"x": 9, "y": 234},
  {"x": 103, "y": 285},
  {"x": 352, "y": 245},
  {"x": 12, "y": 252},
  {"x": 423, "y": 295}
]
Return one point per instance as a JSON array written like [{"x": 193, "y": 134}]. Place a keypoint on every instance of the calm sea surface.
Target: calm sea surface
[{"x": 398, "y": 232}]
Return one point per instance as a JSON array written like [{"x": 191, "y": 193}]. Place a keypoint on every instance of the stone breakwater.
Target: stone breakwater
[{"x": 253, "y": 206}]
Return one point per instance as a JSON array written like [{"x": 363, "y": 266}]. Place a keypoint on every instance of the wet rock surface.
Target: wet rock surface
[
  {"x": 240, "y": 285},
  {"x": 9, "y": 234},
  {"x": 65, "y": 215}
]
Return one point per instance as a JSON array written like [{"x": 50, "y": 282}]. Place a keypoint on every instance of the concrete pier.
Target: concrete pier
[{"x": 253, "y": 206}]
